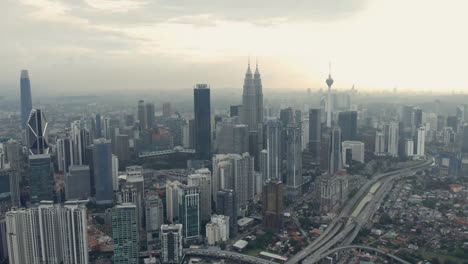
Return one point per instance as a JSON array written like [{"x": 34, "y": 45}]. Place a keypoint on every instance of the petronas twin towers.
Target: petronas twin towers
[{"x": 252, "y": 100}]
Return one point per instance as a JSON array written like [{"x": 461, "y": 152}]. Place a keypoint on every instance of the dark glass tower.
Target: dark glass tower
[
  {"x": 102, "y": 167},
  {"x": 347, "y": 121},
  {"x": 315, "y": 134},
  {"x": 26, "y": 101},
  {"x": 202, "y": 128},
  {"x": 37, "y": 133},
  {"x": 226, "y": 204}
]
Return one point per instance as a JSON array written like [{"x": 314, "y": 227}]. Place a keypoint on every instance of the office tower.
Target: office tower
[
  {"x": 347, "y": 121},
  {"x": 252, "y": 100},
  {"x": 189, "y": 212},
  {"x": 115, "y": 172},
  {"x": 166, "y": 109},
  {"x": 452, "y": 122},
  {"x": 150, "y": 110},
  {"x": 315, "y": 131},
  {"x": 293, "y": 153},
  {"x": 231, "y": 137},
  {"x": 235, "y": 110},
  {"x": 154, "y": 218},
  {"x": 218, "y": 229},
  {"x": 305, "y": 135},
  {"x": 106, "y": 128},
  {"x": 202, "y": 179},
  {"x": 243, "y": 183},
  {"x": 286, "y": 116},
  {"x": 172, "y": 201},
  {"x": 273, "y": 206},
  {"x": 125, "y": 234},
  {"x": 74, "y": 232},
  {"x": 329, "y": 82},
  {"x": 407, "y": 116},
  {"x": 37, "y": 133},
  {"x": 98, "y": 127},
  {"x": 23, "y": 233},
  {"x": 102, "y": 162},
  {"x": 421, "y": 142},
  {"x": 357, "y": 151},
  {"x": 417, "y": 117},
  {"x": 122, "y": 147},
  {"x": 335, "y": 151},
  {"x": 9, "y": 187},
  {"x": 223, "y": 174},
  {"x": 133, "y": 191},
  {"x": 274, "y": 134},
  {"x": 41, "y": 179},
  {"x": 379, "y": 143},
  {"x": 26, "y": 99},
  {"x": 325, "y": 142},
  {"x": 80, "y": 140},
  {"x": 393, "y": 138},
  {"x": 171, "y": 244},
  {"x": 202, "y": 122},
  {"x": 3, "y": 239},
  {"x": 464, "y": 139},
  {"x": 448, "y": 136},
  {"x": 77, "y": 183},
  {"x": 264, "y": 165},
  {"x": 226, "y": 204},
  {"x": 141, "y": 114},
  {"x": 64, "y": 157}
]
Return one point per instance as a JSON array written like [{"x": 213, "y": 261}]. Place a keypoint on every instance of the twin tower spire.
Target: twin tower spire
[{"x": 252, "y": 99}]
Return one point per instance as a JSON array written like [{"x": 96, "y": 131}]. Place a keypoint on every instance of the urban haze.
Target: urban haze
[{"x": 321, "y": 131}]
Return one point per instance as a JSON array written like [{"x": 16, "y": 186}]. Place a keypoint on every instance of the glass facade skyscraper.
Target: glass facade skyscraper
[
  {"x": 102, "y": 165},
  {"x": 125, "y": 234},
  {"x": 26, "y": 100},
  {"x": 202, "y": 128},
  {"x": 41, "y": 180}
]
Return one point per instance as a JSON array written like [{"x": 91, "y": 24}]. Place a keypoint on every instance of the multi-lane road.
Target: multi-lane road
[{"x": 356, "y": 213}]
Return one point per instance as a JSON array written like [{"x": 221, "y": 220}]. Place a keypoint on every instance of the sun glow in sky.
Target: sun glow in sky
[{"x": 85, "y": 45}]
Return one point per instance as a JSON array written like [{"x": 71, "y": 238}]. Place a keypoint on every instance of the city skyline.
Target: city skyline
[{"x": 92, "y": 45}]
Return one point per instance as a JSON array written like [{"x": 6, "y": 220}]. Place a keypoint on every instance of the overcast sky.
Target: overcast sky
[{"x": 83, "y": 46}]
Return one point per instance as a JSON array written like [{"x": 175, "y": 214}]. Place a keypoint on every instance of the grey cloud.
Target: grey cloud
[{"x": 259, "y": 11}]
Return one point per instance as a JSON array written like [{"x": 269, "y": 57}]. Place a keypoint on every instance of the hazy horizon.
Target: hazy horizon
[{"x": 93, "y": 46}]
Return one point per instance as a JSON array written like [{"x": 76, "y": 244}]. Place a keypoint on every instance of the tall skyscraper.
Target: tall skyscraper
[
  {"x": 171, "y": 244},
  {"x": 77, "y": 183},
  {"x": 64, "y": 154},
  {"x": 150, "y": 110},
  {"x": 420, "y": 149},
  {"x": 125, "y": 234},
  {"x": 202, "y": 179},
  {"x": 335, "y": 151},
  {"x": 226, "y": 204},
  {"x": 26, "y": 98},
  {"x": 166, "y": 109},
  {"x": 315, "y": 131},
  {"x": 172, "y": 201},
  {"x": 142, "y": 119},
  {"x": 273, "y": 205},
  {"x": 393, "y": 138},
  {"x": 122, "y": 147},
  {"x": 102, "y": 163},
  {"x": 347, "y": 121},
  {"x": 252, "y": 100},
  {"x": 189, "y": 212},
  {"x": 274, "y": 135},
  {"x": 293, "y": 154},
  {"x": 74, "y": 232},
  {"x": 329, "y": 82},
  {"x": 41, "y": 179},
  {"x": 464, "y": 139},
  {"x": 37, "y": 133},
  {"x": 154, "y": 217},
  {"x": 98, "y": 126},
  {"x": 202, "y": 122}
]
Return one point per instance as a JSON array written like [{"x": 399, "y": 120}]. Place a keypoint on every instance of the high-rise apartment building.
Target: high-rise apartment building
[
  {"x": 202, "y": 179},
  {"x": 273, "y": 205},
  {"x": 172, "y": 201},
  {"x": 171, "y": 244},
  {"x": 202, "y": 122},
  {"x": 166, "y": 109},
  {"x": 421, "y": 137},
  {"x": 293, "y": 154}
]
